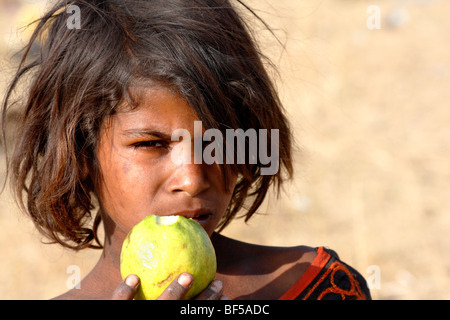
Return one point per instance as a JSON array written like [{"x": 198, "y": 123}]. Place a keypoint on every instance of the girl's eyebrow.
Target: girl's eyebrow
[{"x": 146, "y": 132}]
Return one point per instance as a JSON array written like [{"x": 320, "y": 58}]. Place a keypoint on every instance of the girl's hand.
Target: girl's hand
[{"x": 175, "y": 291}]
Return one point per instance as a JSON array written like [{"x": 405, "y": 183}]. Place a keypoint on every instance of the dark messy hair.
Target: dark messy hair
[{"x": 81, "y": 76}]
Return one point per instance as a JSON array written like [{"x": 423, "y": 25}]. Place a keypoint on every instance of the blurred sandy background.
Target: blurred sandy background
[{"x": 371, "y": 113}]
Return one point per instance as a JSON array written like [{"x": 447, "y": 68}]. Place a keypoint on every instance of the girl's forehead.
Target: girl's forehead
[
  {"x": 157, "y": 105},
  {"x": 155, "y": 97},
  {"x": 143, "y": 94}
]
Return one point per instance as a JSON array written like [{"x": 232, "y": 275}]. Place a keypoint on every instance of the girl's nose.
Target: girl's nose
[{"x": 189, "y": 178}]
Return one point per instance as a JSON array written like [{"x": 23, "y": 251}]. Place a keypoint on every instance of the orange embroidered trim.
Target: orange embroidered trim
[
  {"x": 310, "y": 274},
  {"x": 354, "y": 290}
]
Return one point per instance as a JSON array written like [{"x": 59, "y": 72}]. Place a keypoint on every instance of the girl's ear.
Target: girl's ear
[
  {"x": 89, "y": 173},
  {"x": 85, "y": 172},
  {"x": 86, "y": 169}
]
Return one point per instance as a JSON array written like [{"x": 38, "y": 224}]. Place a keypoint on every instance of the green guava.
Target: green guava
[{"x": 159, "y": 248}]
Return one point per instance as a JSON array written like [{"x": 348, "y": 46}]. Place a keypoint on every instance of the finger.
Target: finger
[
  {"x": 127, "y": 288},
  {"x": 178, "y": 288},
  {"x": 213, "y": 292}
]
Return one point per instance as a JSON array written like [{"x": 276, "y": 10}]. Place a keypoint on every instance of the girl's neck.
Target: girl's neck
[{"x": 105, "y": 276}]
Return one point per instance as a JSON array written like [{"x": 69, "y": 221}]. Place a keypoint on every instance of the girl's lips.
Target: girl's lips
[
  {"x": 202, "y": 216},
  {"x": 202, "y": 219}
]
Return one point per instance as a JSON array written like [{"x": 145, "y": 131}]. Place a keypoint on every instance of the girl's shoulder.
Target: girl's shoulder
[
  {"x": 296, "y": 272},
  {"x": 251, "y": 271}
]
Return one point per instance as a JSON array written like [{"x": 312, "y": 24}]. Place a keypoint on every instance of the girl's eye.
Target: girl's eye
[{"x": 149, "y": 144}]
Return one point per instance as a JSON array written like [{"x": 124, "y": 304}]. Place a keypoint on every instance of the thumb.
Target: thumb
[{"x": 127, "y": 288}]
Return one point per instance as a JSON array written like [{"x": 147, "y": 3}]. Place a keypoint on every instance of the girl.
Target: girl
[{"x": 107, "y": 91}]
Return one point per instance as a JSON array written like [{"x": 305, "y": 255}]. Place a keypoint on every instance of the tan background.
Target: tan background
[{"x": 371, "y": 114}]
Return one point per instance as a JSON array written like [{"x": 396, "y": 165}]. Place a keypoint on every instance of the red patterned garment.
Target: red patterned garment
[{"x": 328, "y": 278}]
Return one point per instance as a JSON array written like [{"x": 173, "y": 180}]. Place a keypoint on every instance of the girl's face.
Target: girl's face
[{"x": 139, "y": 177}]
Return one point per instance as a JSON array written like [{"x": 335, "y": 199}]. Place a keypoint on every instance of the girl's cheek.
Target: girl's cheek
[{"x": 126, "y": 167}]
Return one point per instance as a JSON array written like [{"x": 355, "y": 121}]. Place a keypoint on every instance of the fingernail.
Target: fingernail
[
  {"x": 185, "y": 280},
  {"x": 131, "y": 280},
  {"x": 216, "y": 286}
]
